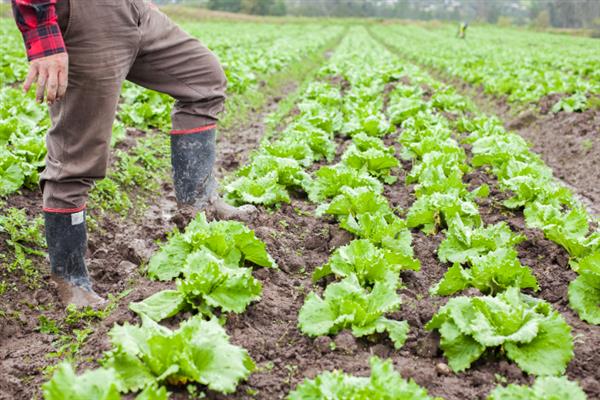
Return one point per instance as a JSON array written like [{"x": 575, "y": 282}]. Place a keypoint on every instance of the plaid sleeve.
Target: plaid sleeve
[{"x": 38, "y": 23}]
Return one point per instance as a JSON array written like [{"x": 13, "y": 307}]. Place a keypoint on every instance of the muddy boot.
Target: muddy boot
[
  {"x": 193, "y": 158},
  {"x": 224, "y": 210},
  {"x": 67, "y": 241}
]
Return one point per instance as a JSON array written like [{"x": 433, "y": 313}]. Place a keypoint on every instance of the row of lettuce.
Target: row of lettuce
[
  {"x": 528, "y": 330},
  {"x": 209, "y": 260},
  {"x": 523, "y": 66},
  {"x": 23, "y": 122},
  {"x": 345, "y": 102},
  {"x": 526, "y": 180}
]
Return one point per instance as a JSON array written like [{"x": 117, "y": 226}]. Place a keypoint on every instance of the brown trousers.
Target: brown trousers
[{"x": 109, "y": 41}]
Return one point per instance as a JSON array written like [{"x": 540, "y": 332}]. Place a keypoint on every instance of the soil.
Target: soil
[
  {"x": 117, "y": 251},
  {"x": 299, "y": 242},
  {"x": 569, "y": 143}
]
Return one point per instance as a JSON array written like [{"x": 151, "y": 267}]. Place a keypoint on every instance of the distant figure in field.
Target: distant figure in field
[{"x": 462, "y": 30}]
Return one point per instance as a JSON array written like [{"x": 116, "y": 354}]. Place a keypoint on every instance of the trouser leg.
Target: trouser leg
[
  {"x": 101, "y": 38},
  {"x": 172, "y": 62}
]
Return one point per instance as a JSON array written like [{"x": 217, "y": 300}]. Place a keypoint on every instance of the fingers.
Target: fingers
[
  {"x": 62, "y": 84},
  {"x": 52, "y": 83},
  {"x": 31, "y": 75},
  {"x": 41, "y": 83},
  {"x": 51, "y": 74}
]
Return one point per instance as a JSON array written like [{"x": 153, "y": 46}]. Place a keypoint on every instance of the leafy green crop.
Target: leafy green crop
[
  {"x": 199, "y": 351},
  {"x": 207, "y": 283},
  {"x": 362, "y": 258},
  {"x": 383, "y": 383},
  {"x": 436, "y": 210},
  {"x": 527, "y": 330},
  {"x": 97, "y": 384},
  {"x": 490, "y": 273},
  {"x": 346, "y": 304},
  {"x": 488, "y": 252},
  {"x": 463, "y": 242},
  {"x": 544, "y": 388},
  {"x": 231, "y": 241},
  {"x": 371, "y": 155},
  {"x": 584, "y": 291},
  {"x": 330, "y": 180}
]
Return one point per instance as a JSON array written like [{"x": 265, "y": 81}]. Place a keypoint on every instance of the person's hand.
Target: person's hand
[{"x": 51, "y": 74}]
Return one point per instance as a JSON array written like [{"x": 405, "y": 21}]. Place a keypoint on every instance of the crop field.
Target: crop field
[{"x": 427, "y": 225}]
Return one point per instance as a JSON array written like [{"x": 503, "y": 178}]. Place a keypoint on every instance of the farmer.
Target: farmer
[
  {"x": 462, "y": 30},
  {"x": 80, "y": 52}
]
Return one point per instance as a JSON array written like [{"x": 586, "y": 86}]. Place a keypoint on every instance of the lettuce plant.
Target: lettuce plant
[
  {"x": 584, "y": 291},
  {"x": 491, "y": 273},
  {"x": 377, "y": 160},
  {"x": 207, "y": 283},
  {"x": 329, "y": 180},
  {"x": 463, "y": 242},
  {"x": 97, "y": 384},
  {"x": 544, "y": 388},
  {"x": 436, "y": 210},
  {"x": 527, "y": 330},
  {"x": 347, "y": 305},
  {"x": 229, "y": 240},
  {"x": 362, "y": 258},
  {"x": 199, "y": 351},
  {"x": 265, "y": 190},
  {"x": 383, "y": 383}
]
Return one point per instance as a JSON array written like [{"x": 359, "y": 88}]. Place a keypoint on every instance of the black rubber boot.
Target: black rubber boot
[
  {"x": 193, "y": 158},
  {"x": 66, "y": 237}
]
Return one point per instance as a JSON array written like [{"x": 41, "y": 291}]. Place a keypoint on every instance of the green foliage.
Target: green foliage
[
  {"x": 383, "y": 383},
  {"x": 199, "y": 351},
  {"x": 523, "y": 67},
  {"x": 584, "y": 291},
  {"x": 100, "y": 384},
  {"x": 463, "y": 242},
  {"x": 488, "y": 252},
  {"x": 576, "y": 102},
  {"x": 347, "y": 305},
  {"x": 230, "y": 241},
  {"x": 436, "y": 210},
  {"x": 362, "y": 258},
  {"x": 544, "y": 388},
  {"x": 371, "y": 155},
  {"x": 527, "y": 330},
  {"x": 330, "y": 180},
  {"x": 207, "y": 283}
]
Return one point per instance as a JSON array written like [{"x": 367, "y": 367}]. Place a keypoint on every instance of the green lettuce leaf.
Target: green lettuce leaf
[
  {"x": 230, "y": 241},
  {"x": 384, "y": 383},
  {"x": 529, "y": 332},
  {"x": 98, "y": 384},
  {"x": 330, "y": 180},
  {"x": 463, "y": 242},
  {"x": 544, "y": 388},
  {"x": 199, "y": 351},
  {"x": 584, "y": 291},
  {"x": 362, "y": 258},
  {"x": 346, "y": 304}
]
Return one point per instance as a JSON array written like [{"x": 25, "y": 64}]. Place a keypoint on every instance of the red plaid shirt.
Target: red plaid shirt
[{"x": 38, "y": 23}]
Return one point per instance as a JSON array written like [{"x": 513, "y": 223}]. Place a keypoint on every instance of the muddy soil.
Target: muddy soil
[
  {"x": 300, "y": 242},
  {"x": 569, "y": 143},
  {"x": 117, "y": 251}
]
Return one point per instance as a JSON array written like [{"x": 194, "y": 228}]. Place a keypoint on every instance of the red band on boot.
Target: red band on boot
[
  {"x": 193, "y": 130},
  {"x": 64, "y": 210}
]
